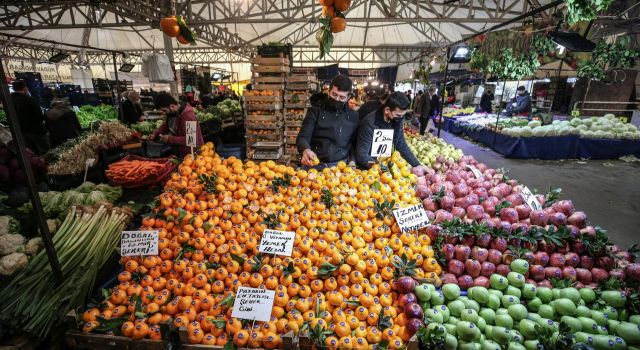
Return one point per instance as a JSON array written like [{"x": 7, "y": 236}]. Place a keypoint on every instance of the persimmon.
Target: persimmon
[{"x": 169, "y": 26}]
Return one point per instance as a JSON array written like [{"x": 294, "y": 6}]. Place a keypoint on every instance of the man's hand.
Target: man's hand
[
  {"x": 151, "y": 137},
  {"x": 164, "y": 138},
  {"x": 420, "y": 168},
  {"x": 308, "y": 157}
]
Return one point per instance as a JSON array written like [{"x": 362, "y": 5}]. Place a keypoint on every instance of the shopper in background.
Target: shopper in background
[
  {"x": 352, "y": 103},
  {"x": 486, "y": 101},
  {"x": 373, "y": 104},
  {"x": 435, "y": 105},
  {"x": 328, "y": 131},
  {"x": 173, "y": 131},
  {"x": 30, "y": 119},
  {"x": 62, "y": 122},
  {"x": 521, "y": 103},
  {"x": 131, "y": 108},
  {"x": 425, "y": 110},
  {"x": 388, "y": 116}
]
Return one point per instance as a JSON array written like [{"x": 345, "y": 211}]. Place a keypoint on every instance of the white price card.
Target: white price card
[
  {"x": 382, "y": 143},
  {"x": 530, "y": 199},
  {"x": 75, "y": 109},
  {"x": 253, "y": 304},
  {"x": 277, "y": 242},
  {"x": 191, "y": 126},
  {"x": 475, "y": 171},
  {"x": 411, "y": 218},
  {"x": 138, "y": 243}
]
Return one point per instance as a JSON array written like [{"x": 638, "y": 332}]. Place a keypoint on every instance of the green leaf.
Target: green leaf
[
  {"x": 229, "y": 345},
  {"x": 240, "y": 260},
  {"x": 228, "y": 300},
  {"x": 106, "y": 325}
]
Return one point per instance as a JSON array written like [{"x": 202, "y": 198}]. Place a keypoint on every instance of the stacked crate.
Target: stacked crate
[
  {"x": 299, "y": 89},
  {"x": 263, "y": 105}
]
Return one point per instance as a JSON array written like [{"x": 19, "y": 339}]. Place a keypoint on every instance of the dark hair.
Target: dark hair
[
  {"x": 419, "y": 92},
  {"x": 342, "y": 82},
  {"x": 522, "y": 88},
  {"x": 164, "y": 100},
  {"x": 397, "y": 100},
  {"x": 18, "y": 85},
  {"x": 383, "y": 96}
]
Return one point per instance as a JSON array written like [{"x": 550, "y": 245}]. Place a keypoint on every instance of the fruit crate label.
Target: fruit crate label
[
  {"x": 191, "y": 127},
  {"x": 382, "y": 143},
  {"x": 411, "y": 218},
  {"x": 531, "y": 199},
  {"x": 475, "y": 171},
  {"x": 139, "y": 243},
  {"x": 253, "y": 304},
  {"x": 277, "y": 242}
]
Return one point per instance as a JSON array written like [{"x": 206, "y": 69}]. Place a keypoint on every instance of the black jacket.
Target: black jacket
[
  {"x": 131, "y": 112},
  {"x": 62, "y": 124},
  {"x": 29, "y": 114},
  {"x": 485, "y": 102},
  {"x": 329, "y": 133},
  {"x": 368, "y": 107},
  {"x": 425, "y": 106},
  {"x": 375, "y": 120}
]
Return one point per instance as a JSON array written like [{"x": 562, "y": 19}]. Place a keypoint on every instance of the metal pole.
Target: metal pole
[
  {"x": 118, "y": 102},
  {"x": 495, "y": 132},
  {"x": 168, "y": 50},
  {"x": 444, "y": 88},
  {"x": 16, "y": 132}
]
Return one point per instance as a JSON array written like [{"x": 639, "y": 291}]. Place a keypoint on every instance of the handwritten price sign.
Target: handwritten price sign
[
  {"x": 253, "y": 304},
  {"x": 530, "y": 199},
  {"x": 191, "y": 127},
  {"x": 138, "y": 243},
  {"x": 411, "y": 218},
  {"x": 382, "y": 144},
  {"x": 277, "y": 242}
]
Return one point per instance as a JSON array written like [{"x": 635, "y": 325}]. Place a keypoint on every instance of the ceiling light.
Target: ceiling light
[
  {"x": 461, "y": 54},
  {"x": 58, "y": 57},
  {"x": 572, "y": 41},
  {"x": 375, "y": 83},
  {"x": 126, "y": 67}
]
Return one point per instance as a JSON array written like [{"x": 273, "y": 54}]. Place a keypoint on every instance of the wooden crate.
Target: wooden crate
[
  {"x": 258, "y": 86},
  {"x": 302, "y": 86},
  {"x": 249, "y": 125},
  {"x": 263, "y": 106},
  {"x": 269, "y": 79},
  {"x": 300, "y": 105},
  {"x": 301, "y": 97},
  {"x": 79, "y": 340},
  {"x": 287, "y": 342},
  {"x": 21, "y": 342},
  {"x": 271, "y": 117},
  {"x": 264, "y": 137},
  {"x": 293, "y": 123},
  {"x": 253, "y": 98},
  {"x": 270, "y": 69},
  {"x": 270, "y": 61}
]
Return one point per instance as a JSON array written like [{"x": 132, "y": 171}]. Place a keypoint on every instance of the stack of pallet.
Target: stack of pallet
[
  {"x": 300, "y": 87},
  {"x": 264, "y": 118}
]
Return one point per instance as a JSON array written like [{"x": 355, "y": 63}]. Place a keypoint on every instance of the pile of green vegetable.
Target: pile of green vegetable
[
  {"x": 515, "y": 314},
  {"x": 31, "y": 300},
  {"x": 89, "y": 114},
  {"x": 224, "y": 109},
  {"x": 607, "y": 127},
  {"x": 147, "y": 127},
  {"x": 55, "y": 203},
  {"x": 3, "y": 117}
]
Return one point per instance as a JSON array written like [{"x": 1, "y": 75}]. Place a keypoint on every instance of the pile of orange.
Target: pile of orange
[{"x": 211, "y": 217}]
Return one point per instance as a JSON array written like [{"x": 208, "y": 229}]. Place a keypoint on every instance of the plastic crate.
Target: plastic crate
[{"x": 168, "y": 167}]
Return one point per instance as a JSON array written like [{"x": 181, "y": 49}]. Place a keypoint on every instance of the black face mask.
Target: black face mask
[{"x": 337, "y": 105}]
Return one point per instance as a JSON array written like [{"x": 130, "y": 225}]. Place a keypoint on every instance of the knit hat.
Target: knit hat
[{"x": 164, "y": 100}]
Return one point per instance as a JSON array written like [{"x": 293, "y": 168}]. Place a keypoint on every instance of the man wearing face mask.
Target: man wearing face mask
[
  {"x": 521, "y": 104},
  {"x": 389, "y": 116},
  {"x": 328, "y": 131},
  {"x": 173, "y": 131}
]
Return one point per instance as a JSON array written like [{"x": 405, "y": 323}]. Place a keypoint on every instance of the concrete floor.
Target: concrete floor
[{"x": 608, "y": 191}]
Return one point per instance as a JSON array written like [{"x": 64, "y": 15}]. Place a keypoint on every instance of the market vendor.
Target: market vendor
[
  {"x": 131, "y": 108},
  {"x": 328, "y": 131},
  {"x": 521, "y": 104},
  {"x": 173, "y": 131},
  {"x": 388, "y": 116}
]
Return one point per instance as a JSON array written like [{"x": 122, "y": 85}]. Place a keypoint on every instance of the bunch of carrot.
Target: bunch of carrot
[{"x": 133, "y": 170}]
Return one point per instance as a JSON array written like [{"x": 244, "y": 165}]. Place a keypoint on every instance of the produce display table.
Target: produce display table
[{"x": 549, "y": 147}]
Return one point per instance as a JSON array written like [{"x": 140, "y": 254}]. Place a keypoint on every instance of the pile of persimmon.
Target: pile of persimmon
[
  {"x": 338, "y": 283},
  {"x": 333, "y": 9}
]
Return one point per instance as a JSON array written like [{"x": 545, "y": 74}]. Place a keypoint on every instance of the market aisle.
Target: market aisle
[{"x": 607, "y": 190}]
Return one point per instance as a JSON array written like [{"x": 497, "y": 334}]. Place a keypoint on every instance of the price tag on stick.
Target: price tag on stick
[
  {"x": 192, "y": 127},
  {"x": 139, "y": 243},
  {"x": 277, "y": 242},
  {"x": 87, "y": 164},
  {"x": 475, "y": 171},
  {"x": 530, "y": 199},
  {"x": 253, "y": 304},
  {"x": 382, "y": 143},
  {"x": 411, "y": 218}
]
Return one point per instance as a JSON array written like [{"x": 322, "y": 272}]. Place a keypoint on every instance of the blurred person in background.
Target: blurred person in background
[
  {"x": 131, "y": 108},
  {"x": 62, "y": 122},
  {"x": 30, "y": 118}
]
